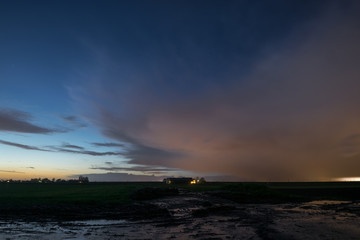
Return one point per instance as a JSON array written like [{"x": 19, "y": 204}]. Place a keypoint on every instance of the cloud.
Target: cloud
[
  {"x": 224, "y": 178},
  {"x": 126, "y": 177},
  {"x": 108, "y": 144},
  {"x": 135, "y": 169},
  {"x": 291, "y": 117},
  {"x": 27, "y": 147},
  {"x": 67, "y": 148},
  {"x": 72, "y": 146},
  {"x": 75, "y": 121},
  {"x": 70, "y": 118},
  {"x": 6, "y": 171},
  {"x": 63, "y": 148},
  {"x": 17, "y": 121},
  {"x": 119, "y": 177},
  {"x": 85, "y": 152},
  {"x": 145, "y": 155}
]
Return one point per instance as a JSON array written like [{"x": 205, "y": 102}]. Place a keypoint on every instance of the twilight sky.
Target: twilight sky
[{"x": 138, "y": 90}]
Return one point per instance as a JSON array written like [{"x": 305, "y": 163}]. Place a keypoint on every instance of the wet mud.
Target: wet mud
[{"x": 189, "y": 215}]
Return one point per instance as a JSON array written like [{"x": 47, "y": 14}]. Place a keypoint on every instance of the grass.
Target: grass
[
  {"x": 120, "y": 193},
  {"x": 242, "y": 192},
  {"x": 282, "y": 191},
  {"x": 320, "y": 190},
  {"x": 51, "y": 194}
]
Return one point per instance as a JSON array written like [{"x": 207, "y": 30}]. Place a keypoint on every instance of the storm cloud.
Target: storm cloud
[{"x": 293, "y": 116}]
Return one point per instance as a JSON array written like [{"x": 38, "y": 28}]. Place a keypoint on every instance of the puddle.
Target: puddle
[
  {"x": 312, "y": 220},
  {"x": 100, "y": 222},
  {"x": 325, "y": 219},
  {"x": 315, "y": 206},
  {"x": 326, "y": 202},
  {"x": 14, "y": 230}
]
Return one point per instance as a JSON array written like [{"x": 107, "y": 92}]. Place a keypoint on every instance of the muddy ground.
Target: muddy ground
[{"x": 192, "y": 215}]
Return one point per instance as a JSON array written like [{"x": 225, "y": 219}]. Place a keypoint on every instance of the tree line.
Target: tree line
[{"x": 80, "y": 180}]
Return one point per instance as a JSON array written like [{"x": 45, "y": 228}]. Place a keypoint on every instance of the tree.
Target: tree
[{"x": 83, "y": 179}]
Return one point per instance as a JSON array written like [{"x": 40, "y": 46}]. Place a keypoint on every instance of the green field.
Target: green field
[
  {"x": 50, "y": 194},
  {"x": 119, "y": 193},
  {"x": 320, "y": 190},
  {"x": 73, "y": 201}
]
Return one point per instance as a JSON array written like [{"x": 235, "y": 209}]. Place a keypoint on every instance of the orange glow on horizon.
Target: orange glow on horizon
[
  {"x": 37, "y": 174},
  {"x": 348, "y": 179}
]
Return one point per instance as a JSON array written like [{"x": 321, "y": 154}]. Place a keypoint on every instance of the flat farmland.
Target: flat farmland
[
  {"x": 214, "y": 210},
  {"x": 27, "y": 194}
]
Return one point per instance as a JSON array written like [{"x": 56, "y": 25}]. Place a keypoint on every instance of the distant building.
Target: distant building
[{"x": 184, "y": 180}]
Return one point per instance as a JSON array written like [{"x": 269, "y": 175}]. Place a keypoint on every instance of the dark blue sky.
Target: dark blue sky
[
  {"x": 174, "y": 85},
  {"x": 48, "y": 41}
]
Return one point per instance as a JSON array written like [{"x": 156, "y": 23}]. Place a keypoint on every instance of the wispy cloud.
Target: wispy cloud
[
  {"x": 23, "y": 146},
  {"x": 70, "y": 118},
  {"x": 85, "y": 152},
  {"x": 75, "y": 121},
  {"x": 119, "y": 177},
  {"x": 126, "y": 177},
  {"x": 108, "y": 144},
  {"x": 136, "y": 169},
  {"x": 67, "y": 148},
  {"x": 72, "y": 146},
  {"x": 18, "y": 121},
  {"x": 7, "y": 171}
]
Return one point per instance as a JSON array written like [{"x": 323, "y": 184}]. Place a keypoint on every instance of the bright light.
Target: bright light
[
  {"x": 193, "y": 182},
  {"x": 348, "y": 179}
]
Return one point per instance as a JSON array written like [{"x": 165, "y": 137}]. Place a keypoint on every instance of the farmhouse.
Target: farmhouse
[{"x": 183, "y": 180}]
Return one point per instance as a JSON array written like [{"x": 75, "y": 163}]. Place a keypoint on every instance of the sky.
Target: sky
[{"x": 143, "y": 90}]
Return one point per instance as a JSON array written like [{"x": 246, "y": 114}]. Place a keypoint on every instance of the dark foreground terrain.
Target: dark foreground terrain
[{"x": 155, "y": 211}]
